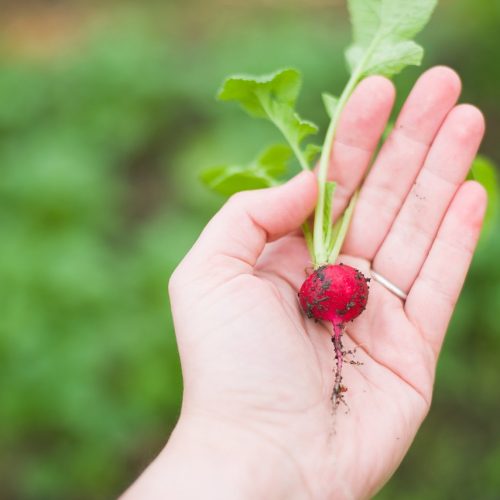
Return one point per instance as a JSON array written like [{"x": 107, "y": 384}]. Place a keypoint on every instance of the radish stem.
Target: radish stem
[{"x": 320, "y": 243}]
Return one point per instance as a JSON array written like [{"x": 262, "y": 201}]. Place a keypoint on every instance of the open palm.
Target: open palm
[{"x": 259, "y": 371}]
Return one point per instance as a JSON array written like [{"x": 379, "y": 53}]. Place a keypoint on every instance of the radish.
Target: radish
[
  {"x": 383, "y": 45},
  {"x": 337, "y": 294}
]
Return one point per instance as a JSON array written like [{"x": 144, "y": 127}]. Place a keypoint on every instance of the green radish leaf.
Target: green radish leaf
[
  {"x": 328, "y": 207},
  {"x": 388, "y": 129},
  {"x": 484, "y": 171},
  {"x": 274, "y": 160},
  {"x": 331, "y": 103},
  {"x": 311, "y": 153},
  {"x": 383, "y": 33},
  {"x": 227, "y": 180},
  {"x": 261, "y": 173},
  {"x": 250, "y": 92},
  {"x": 273, "y": 97}
]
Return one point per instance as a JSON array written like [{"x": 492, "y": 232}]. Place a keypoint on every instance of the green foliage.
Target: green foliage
[
  {"x": 273, "y": 97},
  {"x": 485, "y": 171},
  {"x": 311, "y": 153},
  {"x": 331, "y": 102},
  {"x": 261, "y": 173},
  {"x": 383, "y": 33},
  {"x": 257, "y": 94}
]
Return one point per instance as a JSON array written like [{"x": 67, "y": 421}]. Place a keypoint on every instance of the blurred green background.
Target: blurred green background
[{"x": 106, "y": 117}]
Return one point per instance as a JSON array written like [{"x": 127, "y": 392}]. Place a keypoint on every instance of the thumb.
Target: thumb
[{"x": 237, "y": 234}]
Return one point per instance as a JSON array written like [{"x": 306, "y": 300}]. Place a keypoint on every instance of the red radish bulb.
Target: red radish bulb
[{"x": 336, "y": 293}]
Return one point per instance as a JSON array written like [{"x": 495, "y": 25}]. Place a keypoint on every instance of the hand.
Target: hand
[{"x": 257, "y": 414}]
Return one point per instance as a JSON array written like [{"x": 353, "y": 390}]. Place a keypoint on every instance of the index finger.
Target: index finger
[{"x": 360, "y": 128}]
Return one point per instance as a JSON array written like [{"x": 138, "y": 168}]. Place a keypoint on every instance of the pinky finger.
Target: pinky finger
[{"x": 434, "y": 294}]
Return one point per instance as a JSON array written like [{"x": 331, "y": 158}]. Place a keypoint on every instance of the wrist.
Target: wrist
[{"x": 207, "y": 458}]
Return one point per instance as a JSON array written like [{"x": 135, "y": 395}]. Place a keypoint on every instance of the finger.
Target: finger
[
  {"x": 404, "y": 250},
  {"x": 361, "y": 125},
  {"x": 400, "y": 160},
  {"x": 237, "y": 234},
  {"x": 435, "y": 292}
]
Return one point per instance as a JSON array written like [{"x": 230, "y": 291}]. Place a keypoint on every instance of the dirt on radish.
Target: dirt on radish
[{"x": 338, "y": 294}]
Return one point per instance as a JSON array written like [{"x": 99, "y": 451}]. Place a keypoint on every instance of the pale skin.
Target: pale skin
[{"x": 257, "y": 418}]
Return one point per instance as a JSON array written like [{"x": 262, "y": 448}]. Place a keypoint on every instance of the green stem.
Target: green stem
[
  {"x": 320, "y": 243},
  {"x": 319, "y": 237},
  {"x": 328, "y": 229},
  {"x": 299, "y": 155},
  {"x": 295, "y": 148},
  {"x": 334, "y": 235},
  {"x": 344, "y": 226}
]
